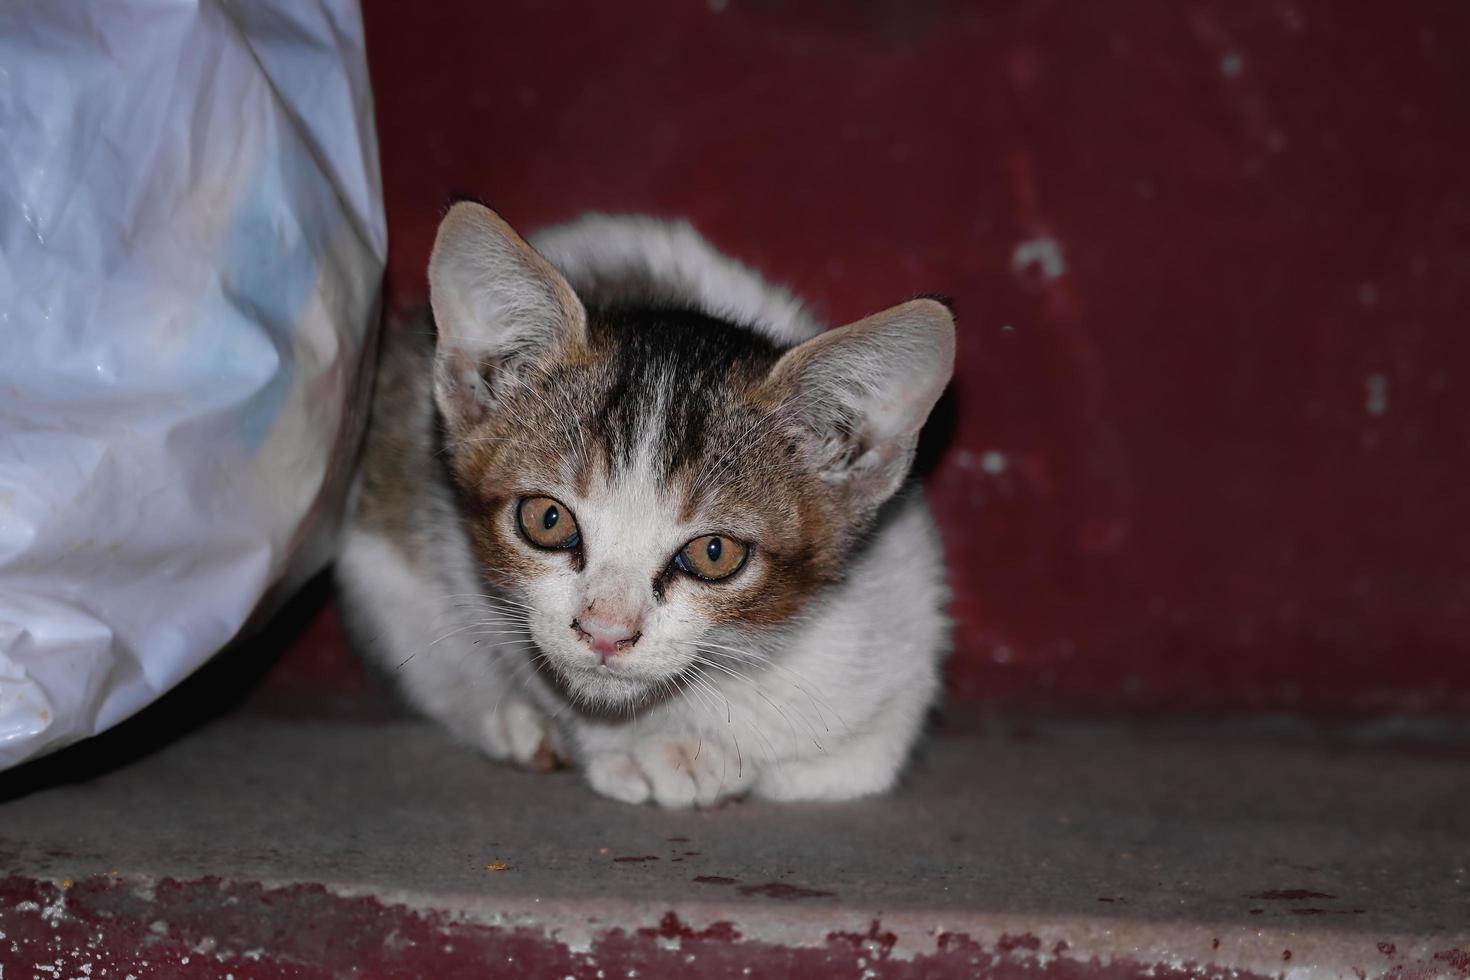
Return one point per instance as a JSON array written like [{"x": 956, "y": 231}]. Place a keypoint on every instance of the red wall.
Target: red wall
[{"x": 1210, "y": 434}]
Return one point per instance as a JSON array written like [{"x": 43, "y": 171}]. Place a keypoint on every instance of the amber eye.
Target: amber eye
[
  {"x": 712, "y": 557},
  {"x": 547, "y": 523}
]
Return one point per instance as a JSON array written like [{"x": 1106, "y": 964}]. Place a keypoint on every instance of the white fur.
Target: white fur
[
  {"x": 674, "y": 254},
  {"x": 418, "y": 622},
  {"x": 829, "y": 711}
]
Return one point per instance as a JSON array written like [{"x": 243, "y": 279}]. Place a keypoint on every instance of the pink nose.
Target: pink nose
[{"x": 606, "y": 637}]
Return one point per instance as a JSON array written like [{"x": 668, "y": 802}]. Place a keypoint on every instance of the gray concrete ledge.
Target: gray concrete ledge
[{"x": 1200, "y": 850}]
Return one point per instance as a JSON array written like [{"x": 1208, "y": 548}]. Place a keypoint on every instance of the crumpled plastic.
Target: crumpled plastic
[{"x": 191, "y": 247}]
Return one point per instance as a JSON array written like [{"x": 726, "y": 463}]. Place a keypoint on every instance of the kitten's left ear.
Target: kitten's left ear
[
  {"x": 498, "y": 305},
  {"x": 862, "y": 392}
]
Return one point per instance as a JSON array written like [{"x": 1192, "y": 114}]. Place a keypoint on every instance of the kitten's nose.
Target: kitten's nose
[{"x": 606, "y": 636}]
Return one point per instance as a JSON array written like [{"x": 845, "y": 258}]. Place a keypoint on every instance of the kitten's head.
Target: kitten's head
[{"x": 656, "y": 488}]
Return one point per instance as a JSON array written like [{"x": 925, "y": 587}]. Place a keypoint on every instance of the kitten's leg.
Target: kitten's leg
[
  {"x": 517, "y": 731},
  {"x": 402, "y": 618},
  {"x": 859, "y": 767},
  {"x": 863, "y": 765},
  {"x": 674, "y": 772}
]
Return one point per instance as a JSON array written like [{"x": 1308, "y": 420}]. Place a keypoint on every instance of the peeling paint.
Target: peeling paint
[
  {"x": 444, "y": 944},
  {"x": 1043, "y": 254},
  {"x": 1376, "y": 403}
]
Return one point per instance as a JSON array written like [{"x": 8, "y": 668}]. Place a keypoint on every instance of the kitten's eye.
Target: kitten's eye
[
  {"x": 712, "y": 557},
  {"x": 547, "y": 523}
]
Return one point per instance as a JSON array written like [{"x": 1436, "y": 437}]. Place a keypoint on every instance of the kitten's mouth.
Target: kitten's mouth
[
  {"x": 608, "y": 684},
  {"x": 606, "y": 671}
]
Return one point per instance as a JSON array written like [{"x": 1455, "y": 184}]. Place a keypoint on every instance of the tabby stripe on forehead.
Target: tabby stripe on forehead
[
  {"x": 670, "y": 371},
  {"x": 685, "y": 426}
]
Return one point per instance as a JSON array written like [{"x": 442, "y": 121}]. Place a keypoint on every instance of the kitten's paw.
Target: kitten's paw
[
  {"x": 674, "y": 773},
  {"x": 617, "y": 776},
  {"x": 516, "y": 731},
  {"x": 842, "y": 776}
]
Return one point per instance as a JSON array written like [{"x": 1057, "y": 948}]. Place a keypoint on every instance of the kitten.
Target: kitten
[{"x": 637, "y": 511}]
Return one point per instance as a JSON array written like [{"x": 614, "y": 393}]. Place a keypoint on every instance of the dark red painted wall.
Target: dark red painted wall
[{"x": 1210, "y": 436}]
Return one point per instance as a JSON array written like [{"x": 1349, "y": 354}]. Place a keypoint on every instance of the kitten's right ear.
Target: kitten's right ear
[{"x": 498, "y": 305}]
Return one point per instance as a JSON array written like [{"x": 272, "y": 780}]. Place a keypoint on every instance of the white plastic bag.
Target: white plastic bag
[{"x": 191, "y": 245}]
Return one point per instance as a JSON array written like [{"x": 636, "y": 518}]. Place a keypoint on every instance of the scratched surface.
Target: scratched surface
[{"x": 1211, "y": 427}]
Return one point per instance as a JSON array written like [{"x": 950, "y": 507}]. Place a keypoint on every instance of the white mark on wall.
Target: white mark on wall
[
  {"x": 993, "y": 461},
  {"x": 1377, "y": 401},
  {"x": 1232, "y": 64},
  {"x": 1003, "y": 654},
  {"x": 1044, "y": 254}
]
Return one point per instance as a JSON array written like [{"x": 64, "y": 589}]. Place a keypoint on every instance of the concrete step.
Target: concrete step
[{"x": 269, "y": 846}]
